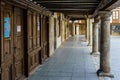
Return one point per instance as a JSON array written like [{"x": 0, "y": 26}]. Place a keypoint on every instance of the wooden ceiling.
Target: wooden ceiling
[{"x": 73, "y": 8}]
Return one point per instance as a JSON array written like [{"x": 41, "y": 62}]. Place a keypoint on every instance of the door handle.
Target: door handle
[
  {"x": 15, "y": 47},
  {"x": 6, "y": 53}
]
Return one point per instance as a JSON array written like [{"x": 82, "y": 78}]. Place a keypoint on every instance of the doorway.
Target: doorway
[{"x": 12, "y": 43}]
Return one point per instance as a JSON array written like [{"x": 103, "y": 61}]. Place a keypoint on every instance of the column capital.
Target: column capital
[
  {"x": 105, "y": 15},
  {"x": 96, "y": 20}
]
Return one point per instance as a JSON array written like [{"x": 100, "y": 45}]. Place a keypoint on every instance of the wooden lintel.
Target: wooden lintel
[{"x": 31, "y": 5}]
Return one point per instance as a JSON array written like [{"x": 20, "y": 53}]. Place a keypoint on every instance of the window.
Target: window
[{"x": 115, "y": 15}]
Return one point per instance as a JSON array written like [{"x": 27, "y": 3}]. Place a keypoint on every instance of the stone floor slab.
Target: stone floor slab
[{"x": 71, "y": 61}]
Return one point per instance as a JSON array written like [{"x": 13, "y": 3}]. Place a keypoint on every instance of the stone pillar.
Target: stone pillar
[
  {"x": 105, "y": 69},
  {"x": 51, "y": 35},
  {"x": 73, "y": 28},
  {"x": 87, "y": 29},
  {"x": 95, "y": 38},
  {"x": 77, "y": 29},
  {"x": 90, "y": 33},
  {"x": 62, "y": 30}
]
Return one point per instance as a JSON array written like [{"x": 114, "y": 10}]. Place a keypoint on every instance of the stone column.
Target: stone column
[
  {"x": 90, "y": 33},
  {"x": 51, "y": 35},
  {"x": 105, "y": 69},
  {"x": 73, "y": 28},
  {"x": 95, "y": 51},
  {"x": 77, "y": 29},
  {"x": 62, "y": 30},
  {"x": 87, "y": 29}
]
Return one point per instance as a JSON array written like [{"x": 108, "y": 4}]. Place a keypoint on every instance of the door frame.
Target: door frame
[
  {"x": 47, "y": 25},
  {"x": 0, "y": 53},
  {"x": 26, "y": 69}
]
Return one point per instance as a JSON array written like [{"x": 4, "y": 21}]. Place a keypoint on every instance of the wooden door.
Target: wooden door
[
  {"x": 18, "y": 43},
  {"x": 7, "y": 42},
  {"x": 42, "y": 39},
  {"x": 75, "y": 29},
  {"x": 45, "y": 38},
  {"x": 34, "y": 40},
  {"x": 39, "y": 38}
]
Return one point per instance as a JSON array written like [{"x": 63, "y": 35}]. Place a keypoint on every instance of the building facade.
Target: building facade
[{"x": 115, "y": 22}]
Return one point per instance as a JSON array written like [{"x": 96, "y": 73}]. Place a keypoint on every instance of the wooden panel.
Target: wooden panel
[
  {"x": 38, "y": 30},
  {"x": 24, "y": 32},
  {"x": 30, "y": 30},
  {"x": 18, "y": 43},
  {"x": 13, "y": 47},
  {"x": 34, "y": 30},
  {"x": 6, "y": 75}
]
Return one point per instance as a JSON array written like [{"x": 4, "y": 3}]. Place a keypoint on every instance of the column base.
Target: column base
[
  {"x": 95, "y": 53},
  {"x": 72, "y": 35},
  {"x": 85, "y": 40},
  {"x": 89, "y": 44},
  {"x": 100, "y": 73}
]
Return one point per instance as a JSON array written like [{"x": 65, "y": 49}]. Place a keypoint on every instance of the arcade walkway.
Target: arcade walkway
[{"x": 71, "y": 61}]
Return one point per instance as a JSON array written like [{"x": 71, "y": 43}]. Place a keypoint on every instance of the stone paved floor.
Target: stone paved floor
[
  {"x": 115, "y": 59},
  {"x": 71, "y": 61}
]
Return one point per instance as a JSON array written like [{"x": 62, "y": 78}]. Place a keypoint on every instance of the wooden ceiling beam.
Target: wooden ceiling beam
[
  {"x": 72, "y": 5},
  {"x": 69, "y": 3},
  {"x": 106, "y": 5},
  {"x": 77, "y": 19},
  {"x": 77, "y": 12},
  {"x": 65, "y": 1},
  {"x": 84, "y": 7},
  {"x": 69, "y": 9},
  {"x": 112, "y": 6}
]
